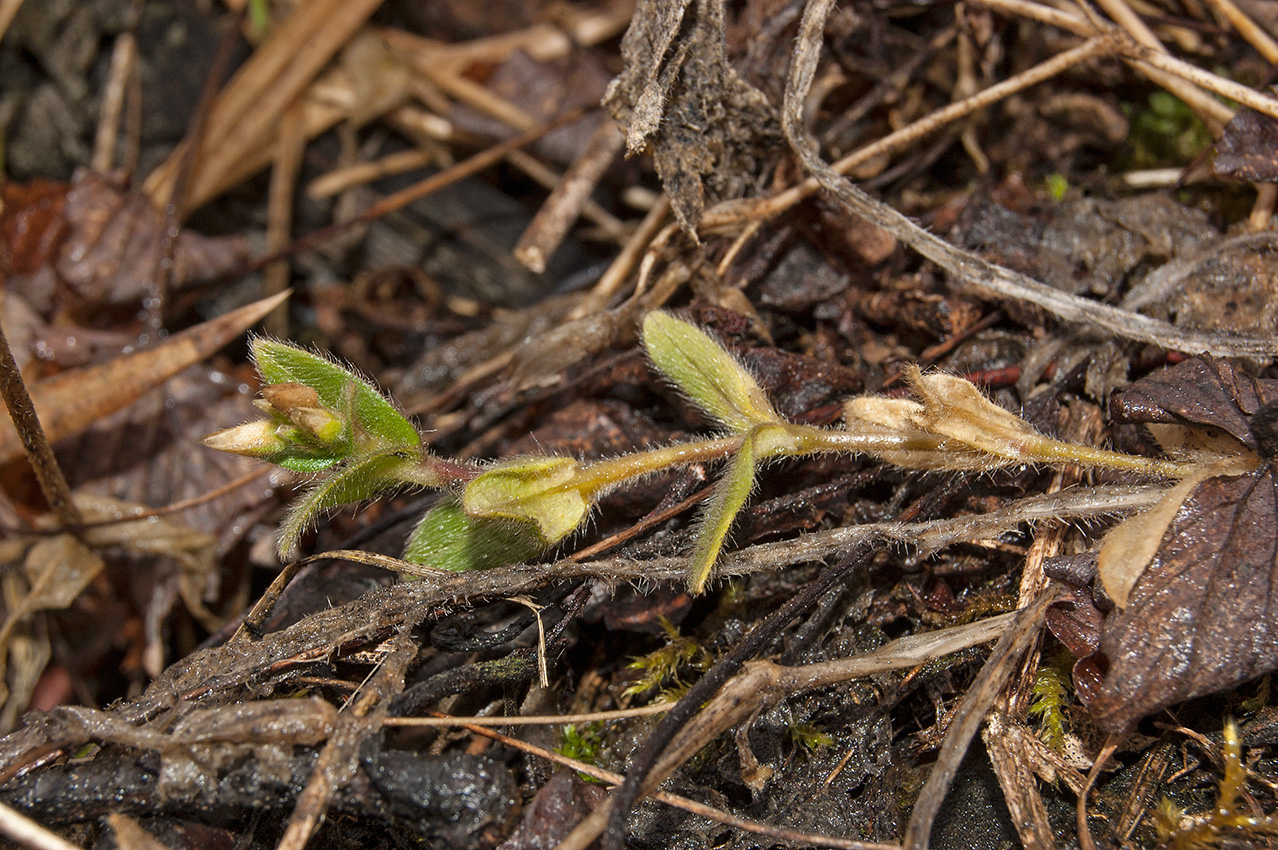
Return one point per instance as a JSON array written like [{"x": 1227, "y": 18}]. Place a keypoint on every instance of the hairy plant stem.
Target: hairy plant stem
[{"x": 787, "y": 439}]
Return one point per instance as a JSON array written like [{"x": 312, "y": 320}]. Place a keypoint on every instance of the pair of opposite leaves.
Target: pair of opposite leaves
[{"x": 325, "y": 420}]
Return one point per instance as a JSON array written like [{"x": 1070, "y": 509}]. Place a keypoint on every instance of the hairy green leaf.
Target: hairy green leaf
[
  {"x": 449, "y": 539},
  {"x": 372, "y": 418},
  {"x": 730, "y": 495},
  {"x": 354, "y": 482},
  {"x": 706, "y": 372}
]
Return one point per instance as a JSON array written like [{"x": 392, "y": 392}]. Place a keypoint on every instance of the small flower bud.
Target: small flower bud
[{"x": 260, "y": 438}]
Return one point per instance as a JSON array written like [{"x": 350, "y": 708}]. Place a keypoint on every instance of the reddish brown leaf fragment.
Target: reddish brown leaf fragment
[
  {"x": 1248, "y": 149},
  {"x": 1199, "y": 391},
  {"x": 31, "y": 225},
  {"x": 1204, "y": 616},
  {"x": 1076, "y": 622},
  {"x": 553, "y": 812}
]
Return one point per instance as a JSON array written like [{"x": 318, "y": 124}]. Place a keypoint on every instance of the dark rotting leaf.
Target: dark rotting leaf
[
  {"x": 1264, "y": 428},
  {"x": 1203, "y": 618},
  {"x": 458, "y": 799},
  {"x": 1248, "y": 148},
  {"x": 1200, "y": 391}
]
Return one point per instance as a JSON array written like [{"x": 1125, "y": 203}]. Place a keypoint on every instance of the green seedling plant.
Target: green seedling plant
[{"x": 325, "y": 420}]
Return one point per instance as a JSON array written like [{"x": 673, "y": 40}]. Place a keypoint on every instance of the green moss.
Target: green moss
[
  {"x": 661, "y": 669},
  {"x": 1057, "y": 185},
  {"x": 1050, "y": 695},
  {"x": 1165, "y": 132},
  {"x": 808, "y": 737}
]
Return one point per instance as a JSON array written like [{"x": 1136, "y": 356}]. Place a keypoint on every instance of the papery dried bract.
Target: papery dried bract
[{"x": 955, "y": 408}]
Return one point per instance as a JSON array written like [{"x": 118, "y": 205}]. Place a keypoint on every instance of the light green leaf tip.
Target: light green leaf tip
[
  {"x": 709, "y": 375},
  {"x": 730, "y": 495},
  {"x": 537, "y": 490}
]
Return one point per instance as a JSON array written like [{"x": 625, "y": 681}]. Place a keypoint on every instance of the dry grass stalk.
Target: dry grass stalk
[
  {"x": 568, "y": 199},
  {"x": 732, "y": 215},
  {"x": 1247, "y": 28},
  {"x": 8, "y": 10},
  {"x": 674, "y": 800},
  {"x": 973, "y": 270},
  {"x": 341, "y": 179},
  {"x": 619, "y": 270},
  {"x": 279, "y": 212},
  {"x": 248, "y": 110},
  {"x": 1213, "y": 114},
  {"x": 123, "y": 60},
  {"x": 35, "y": 443},
  {"x": 339, "y": 760},
  {"x": 28, "y": 833}
]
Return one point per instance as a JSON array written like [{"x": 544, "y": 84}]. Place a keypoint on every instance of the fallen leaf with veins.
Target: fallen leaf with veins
[{"x": 1202, "y": 616}]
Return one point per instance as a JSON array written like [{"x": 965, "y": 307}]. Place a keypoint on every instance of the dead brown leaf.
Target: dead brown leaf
[
  {"x": 1203, "y": 615},
  {"x": 104, "y": 243},
  {"x": 1248, "y": 149},
  {"x": 1200, "y": 391},
  {"x": 70, "y": 402}
]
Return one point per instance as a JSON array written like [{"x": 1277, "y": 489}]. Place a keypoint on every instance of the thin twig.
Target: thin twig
[
  {"x": 404, "y": 197},
  {"x": 146, "y": 513},
  {"x": 28, "y": 833},
  {"x": 34, "y": 442},
  {"x": 123, "y": 56},
  {"x": 730, "y": 215},
  {"x": 289, "y": 147},
  {"x": 718, "y": 815},
  {"x": 338, "y": 761},
  {"x": 348, "y": 177},
  {"x": 969, "y": 268},
  {"x": 610, "y": 819},
  {"x": 969, "y": 716},
  {"x": 533, "y": 719},
  {"x": 623, "y": 264},
  {"x": 548, "y": 228},
  {"x": 610, "y": 226},
  {"x": 1247, "y": 28}
]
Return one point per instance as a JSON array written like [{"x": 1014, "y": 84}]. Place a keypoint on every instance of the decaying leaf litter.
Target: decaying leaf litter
[{"x": 1023, "y": 137}]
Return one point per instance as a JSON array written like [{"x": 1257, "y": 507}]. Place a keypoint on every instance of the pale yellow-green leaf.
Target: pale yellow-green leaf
[
  {"x": 730, "y": 494},
  {"x": 538, "y": 490},
  {"x": 259, "y": 438},
  {"x": 710, "y": 376},
  {"x": 1129, "y": 547}
]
